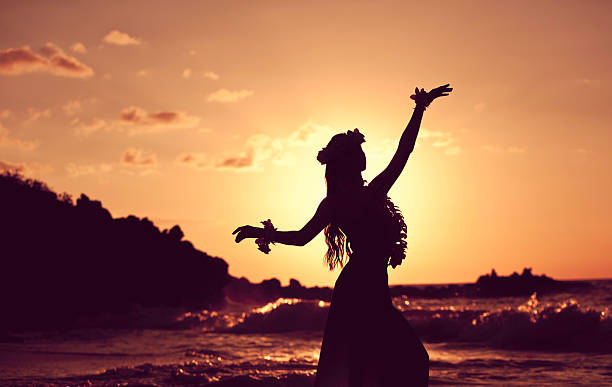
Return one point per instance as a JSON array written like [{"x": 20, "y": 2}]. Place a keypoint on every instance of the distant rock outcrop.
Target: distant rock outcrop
[
  {"x": 493, "y": 285},
  {"x": 60, "y": 260},
  {"x": 243, "y": 291}
]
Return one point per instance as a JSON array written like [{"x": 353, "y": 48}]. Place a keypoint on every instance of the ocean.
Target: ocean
[{"x": 559, "y": 339}]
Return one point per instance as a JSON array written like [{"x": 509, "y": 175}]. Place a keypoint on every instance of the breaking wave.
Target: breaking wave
[{"x": 560, "y": 326}]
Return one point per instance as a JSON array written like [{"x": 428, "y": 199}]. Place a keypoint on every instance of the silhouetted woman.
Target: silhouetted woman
[{"x": 367, "y": 342}]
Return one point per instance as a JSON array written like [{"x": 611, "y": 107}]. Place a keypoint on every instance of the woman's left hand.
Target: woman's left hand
[
  {"x": 244, "y": 232},
  {"x": 424, "y": 98}
]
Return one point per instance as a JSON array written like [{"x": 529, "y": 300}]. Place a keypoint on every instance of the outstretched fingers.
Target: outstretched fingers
[
  {"x": 240, "y": 234},
  {"x": 440, "y": 91},
  {"x": 443, "y": 87}
]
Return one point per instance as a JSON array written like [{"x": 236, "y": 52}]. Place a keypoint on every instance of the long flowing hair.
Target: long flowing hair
[
  {"x": 343, "y": 160},
  {"x": 338, "y": 245}
]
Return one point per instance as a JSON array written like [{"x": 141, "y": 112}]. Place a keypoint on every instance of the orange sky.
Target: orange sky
[{"x": 210, "y": 114}]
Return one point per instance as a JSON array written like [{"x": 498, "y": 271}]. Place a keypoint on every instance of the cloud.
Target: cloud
[
  {"x": 211, "y": 75},
  {"x": 5, "y": 113},
  {"x": 35, "y": 115},
  {"x": 25, "y": 168},
  {"x": 72, "y": 107},
  {"x": 228, "y": 96},
  {"x": 87, "y": 129},
  {"x": 453, "y": 150},
  {"x": 52, "y": 60},
  {"x": 138, "y": 157},
  {"x": 444, "y": 140},
  {"x": 119, "y": 38},
  {"x": 75, "y": 170},
  {"x": 302, "y": 135},
  {"x": 261, "y": 148},
  {"x": 309, "y": 134},
  {"x": 11, "y": 167},
  {"x": 143, "y": 73},
  {"x": 245, "y": 160},
  {"x": 424, "y": 133},
  {"x": 442, "y": 143},
  {"x": 194, "y": 159},
  {"x": 384, "y": 150},
  {"x": 187, "y": 73},
  {"x": 20, "y": 60},
  {"x": 9, "y": 142},
  {"x": 135, "y": 120},
  {"x": 78, "y": 47}
]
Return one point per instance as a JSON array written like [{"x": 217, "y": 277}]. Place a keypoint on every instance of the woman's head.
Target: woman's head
[
  {"x": 344, "y": 160},
  {"x": 344, "y": 149}
]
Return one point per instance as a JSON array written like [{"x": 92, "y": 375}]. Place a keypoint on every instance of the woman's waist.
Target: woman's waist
[
  {"x": 370, "y": 253},
  {"x": 363, "y": 278},
  {"x": 369, "y": 262}
]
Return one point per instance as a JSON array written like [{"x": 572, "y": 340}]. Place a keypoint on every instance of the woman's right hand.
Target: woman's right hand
[{"x": 244, "y": 232}]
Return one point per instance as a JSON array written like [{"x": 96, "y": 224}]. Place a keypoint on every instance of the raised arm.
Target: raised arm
[
  {"x": 314, "y": 226},
  {"x": 385, "y": 180}
]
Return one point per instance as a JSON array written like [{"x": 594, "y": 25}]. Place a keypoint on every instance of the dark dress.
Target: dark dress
[{"x": 367, "y": 342}]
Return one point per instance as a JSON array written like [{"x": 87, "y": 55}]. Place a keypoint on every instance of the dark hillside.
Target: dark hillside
[{"x": 60, "y": 260}]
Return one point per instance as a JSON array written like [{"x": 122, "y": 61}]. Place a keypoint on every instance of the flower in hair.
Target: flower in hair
[
  {"x": 323, "y": 156},
  {"x": 263, "y": 243},
  {"x": 356, "y": 136}
]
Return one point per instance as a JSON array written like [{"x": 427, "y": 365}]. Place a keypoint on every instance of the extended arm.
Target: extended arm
[
  {"x": 385, "y": 180},
  {"x": 314, "y": 226}
]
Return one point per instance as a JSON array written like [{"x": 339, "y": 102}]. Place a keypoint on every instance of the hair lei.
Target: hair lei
[{"x": 399, "y": 233}]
